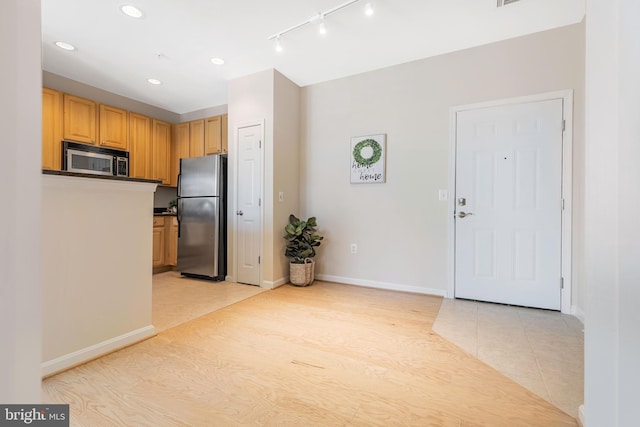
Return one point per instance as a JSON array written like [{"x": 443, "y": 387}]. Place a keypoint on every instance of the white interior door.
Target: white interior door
[
  {"x": 248, "y": 211},
  {"x": 508, "y": 189}
]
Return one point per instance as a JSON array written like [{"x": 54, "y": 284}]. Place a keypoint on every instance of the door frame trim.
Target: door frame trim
[
  {"x": 567, "y": 184},
  {"x": 234, "y": 206}
]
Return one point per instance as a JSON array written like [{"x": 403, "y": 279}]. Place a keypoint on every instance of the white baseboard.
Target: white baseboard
[
  {"x": 86, "y": 354},
  {"x": 272, "y": 285},
  {"x": 581, "y": 419},
  {"x": 382, "y": 285},
  {"x": 578, "y": 313}
]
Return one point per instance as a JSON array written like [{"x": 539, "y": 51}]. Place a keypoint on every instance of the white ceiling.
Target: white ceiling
[{"x": 175, "y": 40}]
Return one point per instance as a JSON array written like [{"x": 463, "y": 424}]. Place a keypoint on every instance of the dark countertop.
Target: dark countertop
[
  {"x": 164, "y": 214},
  {"x": 109, "y": 177}
]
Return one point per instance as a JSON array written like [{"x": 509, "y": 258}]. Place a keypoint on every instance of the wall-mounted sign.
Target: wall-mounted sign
[{"x": 368, "y": 159}]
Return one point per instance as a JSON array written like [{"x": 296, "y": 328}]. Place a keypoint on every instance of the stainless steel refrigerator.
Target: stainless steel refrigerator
[{"x": 202, "y": 217}]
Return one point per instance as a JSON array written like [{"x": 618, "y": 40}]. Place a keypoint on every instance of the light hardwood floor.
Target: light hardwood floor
[{"x": 325, "y": 355}]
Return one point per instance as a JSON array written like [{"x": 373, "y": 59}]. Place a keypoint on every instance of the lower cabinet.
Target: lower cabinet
[
  {"x": 158, "y": 241},
  {"x": 165, "y": 242},
  {"x": 171, "y": 232}
]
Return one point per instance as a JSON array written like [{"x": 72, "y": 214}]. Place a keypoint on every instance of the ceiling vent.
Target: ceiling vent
[{"x": 506, "y": 2}]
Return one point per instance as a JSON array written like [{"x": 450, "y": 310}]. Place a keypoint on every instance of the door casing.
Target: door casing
[{"x": 567, "y": 182}]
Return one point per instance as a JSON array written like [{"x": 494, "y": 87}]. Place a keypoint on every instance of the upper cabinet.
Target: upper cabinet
[
  {"x": 224, "y": 119},
  {"x": 179, "y": 149},
  {"x": 212, "y": 135},
  {"x": 140, "y": 146},
  {"x": 51, "y": 129},
  {"x": 114, "y": 128},
  {"x": 196, "y": 138},
  {"x": 161, "y": 151},
  {"x": 80, "y": 119}
]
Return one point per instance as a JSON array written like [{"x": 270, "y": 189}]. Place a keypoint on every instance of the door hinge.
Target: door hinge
[
  {"x": 562, "y": 204},
  {"x": 260, "y": 142},
  {"x": 562, "y": 283},
  {"x": 260, "y": 202},
  {"x": 564, "y": 125},
  {"x": 258, "y": 260}
]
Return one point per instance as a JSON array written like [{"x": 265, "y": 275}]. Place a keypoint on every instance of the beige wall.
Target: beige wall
[
  {"x": 270, "y": 98},
  {"x": 286, "y": 171},
  {"x": 73, "y": 87},
  {"x": 400, "y": 227},
  {"x": 96, "y": 285},
  {"x": 251, "y": 100},
  {"x": 20, "y": 272}
]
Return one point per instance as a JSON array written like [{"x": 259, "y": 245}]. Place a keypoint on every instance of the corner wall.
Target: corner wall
[
  {"x": 400, "y": 227},
  {"x": 20, "y": 216}
]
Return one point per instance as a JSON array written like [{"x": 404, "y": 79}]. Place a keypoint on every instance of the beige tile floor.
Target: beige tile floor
[
  {"x": 539, "y": 349},
  {"x": 177, "y": 299}
]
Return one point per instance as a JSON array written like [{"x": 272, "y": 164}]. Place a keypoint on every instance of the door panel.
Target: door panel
[
  {"x": 248, "y": 209},
  {"x": 509, "y": 171}
]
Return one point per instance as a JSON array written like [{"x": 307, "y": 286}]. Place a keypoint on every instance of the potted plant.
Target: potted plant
[{"x": 302, "y": 239}]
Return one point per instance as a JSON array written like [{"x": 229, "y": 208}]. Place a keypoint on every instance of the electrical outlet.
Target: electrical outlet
[{"x": 354, "y": 248}]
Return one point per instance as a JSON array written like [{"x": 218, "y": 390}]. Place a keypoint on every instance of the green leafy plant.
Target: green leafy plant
[
  {"x": 302, "y": 239},
  {"x": 173, "y": 203}
]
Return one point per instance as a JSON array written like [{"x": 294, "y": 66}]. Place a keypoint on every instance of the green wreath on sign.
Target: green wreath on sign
[{"x": 357, "y": 152}]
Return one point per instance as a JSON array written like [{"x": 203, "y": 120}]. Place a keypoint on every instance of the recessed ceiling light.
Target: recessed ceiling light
[
  {"x": 131, "y": 11},
  {"x": 154, "y": 81},
  {"x": 217, "y": 61},
  {"x": 65, "y": 46}
]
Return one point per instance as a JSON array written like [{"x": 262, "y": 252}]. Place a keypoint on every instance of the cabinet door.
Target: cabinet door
[
  {"x": 179, "y": 149},
  {"x": 158, "y": 246},
  {"x": 51, "y": 129},
  {"x": 196, "y": 138},
  {"x": 212, "y": 136},
  {"x": 114, "y": 128},
  {"x": 161, "y": 149},
  {"x": 224, "y": 126},
  {"x": 80, "y": 118},
  {"x": 171, "y": 257},
  {"x": 140, "y": 145}
]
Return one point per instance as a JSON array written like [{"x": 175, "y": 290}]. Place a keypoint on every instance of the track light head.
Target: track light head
[
  {"x": 279, "y": 47},
  {"x": 322, "y": 28},
  {"x": 368, "y": 9}
]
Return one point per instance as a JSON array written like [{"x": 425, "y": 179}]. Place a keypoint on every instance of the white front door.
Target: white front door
[
  {"x": 248, "y": 211},
  {"x": 508, "y": 196}
]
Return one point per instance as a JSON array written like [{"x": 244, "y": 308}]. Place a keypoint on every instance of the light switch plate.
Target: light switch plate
[{"x": 443, "y": 195}]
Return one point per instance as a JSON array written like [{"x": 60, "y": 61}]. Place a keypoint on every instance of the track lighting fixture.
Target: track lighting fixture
[
  {"x": 279, "y": 47},
  {"x": 322, "y": 28},
  {"x": 368, "y": 9}
]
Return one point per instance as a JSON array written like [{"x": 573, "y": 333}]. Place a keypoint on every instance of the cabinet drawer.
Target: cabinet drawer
[{"x": 158, "y": 221}]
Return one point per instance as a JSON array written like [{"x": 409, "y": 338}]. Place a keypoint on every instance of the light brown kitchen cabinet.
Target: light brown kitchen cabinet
[
  {"x": 196, "y": 138},
  {"x": 80, "y": 119},
  {"x": 212, "y": 135},
  {"x": 224, "y": 131},
  {"x": 171, "y": 233},
  {"x": 140, "y": 146},
  {"x": 161, "y": 151},
  {"x": 51, "y": 129},
  {"x": 114, "y": 128},
  {"x": 158, "y": 241},
  {"x": 179, "y": 149}
]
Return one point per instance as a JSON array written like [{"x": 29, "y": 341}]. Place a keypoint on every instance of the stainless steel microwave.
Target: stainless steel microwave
[{"x": 83, "y": 158}]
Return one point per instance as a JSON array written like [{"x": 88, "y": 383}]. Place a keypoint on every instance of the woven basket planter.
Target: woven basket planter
[{"x": 302, "y": 274}]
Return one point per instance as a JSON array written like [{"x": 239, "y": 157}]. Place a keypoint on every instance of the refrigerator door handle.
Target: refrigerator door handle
[
  {"x": 179, "y": 214},
  {"x": 179, "y": 175}
]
